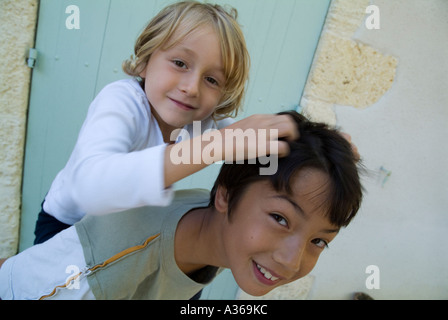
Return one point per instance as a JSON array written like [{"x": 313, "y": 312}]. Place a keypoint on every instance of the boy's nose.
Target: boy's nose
[
  {"x": 190, "y": 85},
  {"x": 290, "y": 255}
]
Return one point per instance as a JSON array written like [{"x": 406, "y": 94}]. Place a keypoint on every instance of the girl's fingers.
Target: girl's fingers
[
  {"x": 354, "y": 147},
  {"x": 291, "y": 131}
]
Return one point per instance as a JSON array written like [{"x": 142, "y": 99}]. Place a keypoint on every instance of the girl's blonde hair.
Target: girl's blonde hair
[{"x": 184, "y": 17}]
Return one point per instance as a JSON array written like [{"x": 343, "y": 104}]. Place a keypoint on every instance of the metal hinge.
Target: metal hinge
[{"x": 32, "y": 57}]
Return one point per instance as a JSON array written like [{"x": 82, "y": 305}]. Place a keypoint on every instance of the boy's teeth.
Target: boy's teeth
[{"x": 266, "y": 273}]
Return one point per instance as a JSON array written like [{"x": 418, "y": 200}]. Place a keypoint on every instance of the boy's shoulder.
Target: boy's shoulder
[
  {"x": 140, "y": 239},
  {"x": 117, "y": 231},
  {"x": 191, "y": 196}
]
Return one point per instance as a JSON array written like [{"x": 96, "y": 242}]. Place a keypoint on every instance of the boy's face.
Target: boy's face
[
  {"x": 184, "y": 83},
  {"x": 272, "y": 238}
]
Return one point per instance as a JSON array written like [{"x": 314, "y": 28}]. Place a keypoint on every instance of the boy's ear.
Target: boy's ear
[{"x": 221, "y": 203}]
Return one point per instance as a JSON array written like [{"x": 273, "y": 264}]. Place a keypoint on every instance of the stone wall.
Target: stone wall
[{"x": 17, "y": 32}]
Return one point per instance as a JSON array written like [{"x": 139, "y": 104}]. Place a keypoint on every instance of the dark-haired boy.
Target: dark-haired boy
[{"x": 269, "y": 230}]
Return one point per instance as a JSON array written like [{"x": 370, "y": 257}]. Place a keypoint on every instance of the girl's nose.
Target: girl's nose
[{"x": 189, "y": 84}]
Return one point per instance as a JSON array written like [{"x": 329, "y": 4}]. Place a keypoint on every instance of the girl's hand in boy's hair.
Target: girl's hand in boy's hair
[
  {"x": 255, "y": 136},
  {"x": 259, "y": 135}
]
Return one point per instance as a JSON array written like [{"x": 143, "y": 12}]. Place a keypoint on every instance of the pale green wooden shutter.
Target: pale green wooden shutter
[{"x": 73, "y": 65}]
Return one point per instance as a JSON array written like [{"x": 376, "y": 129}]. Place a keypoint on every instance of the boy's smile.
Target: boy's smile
[
  {"x": 271, "y": 238},
  {"x": 184, "y": 82}
]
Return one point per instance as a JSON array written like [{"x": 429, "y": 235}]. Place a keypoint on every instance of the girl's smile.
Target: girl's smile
[{"x": 183, "y": 106}]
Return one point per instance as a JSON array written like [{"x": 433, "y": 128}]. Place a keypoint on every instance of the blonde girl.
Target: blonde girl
[{"x": 190, "y": 64}]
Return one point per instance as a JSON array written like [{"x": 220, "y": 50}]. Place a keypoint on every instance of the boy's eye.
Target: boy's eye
[
  {"x": 320, "y": 243},
  {"x": 282, "y": 221}
]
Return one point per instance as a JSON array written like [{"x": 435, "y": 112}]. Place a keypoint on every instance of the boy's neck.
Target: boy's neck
[{"x": 197, "y": 240}]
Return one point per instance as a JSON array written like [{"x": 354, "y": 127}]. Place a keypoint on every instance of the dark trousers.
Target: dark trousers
[{"x": 47, "y": 226}]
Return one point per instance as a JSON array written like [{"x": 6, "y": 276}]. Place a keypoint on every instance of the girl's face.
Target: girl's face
[
  {"x": 185, "y": 82},
  {"x": 274, "y": 238}
]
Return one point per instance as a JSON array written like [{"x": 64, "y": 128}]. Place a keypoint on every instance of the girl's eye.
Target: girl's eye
[
  {"x": 320, "y": 243},
  {"x": 179, "y": 63},
  {"x": 282, "y": 221},
  {"x": 212, "y": 81}
]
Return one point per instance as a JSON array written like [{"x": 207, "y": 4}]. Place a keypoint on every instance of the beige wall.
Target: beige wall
[
  {"x": 402, "y": 224},
  {"x": 17, "y": 30},
  {"x": 346, "y": 71}
]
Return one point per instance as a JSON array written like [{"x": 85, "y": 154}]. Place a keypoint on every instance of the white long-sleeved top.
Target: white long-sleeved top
[{"x": 118, "y": 159}]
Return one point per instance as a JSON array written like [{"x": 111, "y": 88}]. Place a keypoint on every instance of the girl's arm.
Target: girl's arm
[
  {"x": 104, "y": 175},
  {"x": 212, "y": 147},
  {"x": 117, "y": 163}
]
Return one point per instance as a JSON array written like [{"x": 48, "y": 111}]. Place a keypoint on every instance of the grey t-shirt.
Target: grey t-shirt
[{"x": 131, "y": 254}]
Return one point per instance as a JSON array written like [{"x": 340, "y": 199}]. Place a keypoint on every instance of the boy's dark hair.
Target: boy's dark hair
[{"x": 318, "y": 147}]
